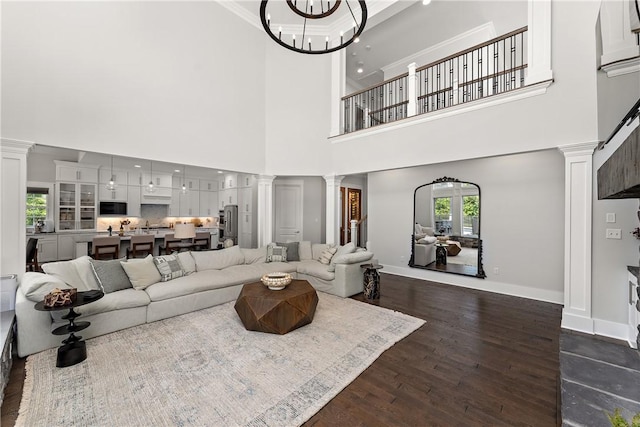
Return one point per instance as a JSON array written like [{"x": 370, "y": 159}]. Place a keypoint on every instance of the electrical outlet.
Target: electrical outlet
[
  {"x": 496, "y": 271},
  {"x": 614, "y": 233}
]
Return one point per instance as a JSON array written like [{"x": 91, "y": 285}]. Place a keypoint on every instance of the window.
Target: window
[
  {"x": 442, "y": 214},
  {"x": 470, "y": 213},
  {"x": 37, "y": 205}
]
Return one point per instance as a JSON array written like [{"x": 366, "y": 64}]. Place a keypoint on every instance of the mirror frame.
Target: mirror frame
[{"x": 480, "y": 269}]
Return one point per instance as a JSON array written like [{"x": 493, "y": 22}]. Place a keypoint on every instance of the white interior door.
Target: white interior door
[{"x": 288, "y": 211}]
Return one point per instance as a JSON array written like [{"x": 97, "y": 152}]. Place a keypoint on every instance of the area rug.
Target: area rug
[{"x": 205, "y": 369}]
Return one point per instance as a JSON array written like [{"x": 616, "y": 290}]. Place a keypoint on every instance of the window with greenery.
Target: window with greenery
[
  {"x": 470, "y": 214},
  {"x": 36, "y": 206},
  {"x": 442, "y": 207}
]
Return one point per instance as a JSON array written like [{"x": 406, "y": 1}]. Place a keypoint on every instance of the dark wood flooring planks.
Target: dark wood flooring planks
[{"x": 481, "y": 359}]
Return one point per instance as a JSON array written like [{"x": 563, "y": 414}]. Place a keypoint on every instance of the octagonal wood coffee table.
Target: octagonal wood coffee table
[{"x": 276, "y": 312}]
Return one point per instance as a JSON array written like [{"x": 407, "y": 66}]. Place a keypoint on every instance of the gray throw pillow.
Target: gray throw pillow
[
  {"x": 110, "y": 275},
  {"x": 292, "y": 250}
]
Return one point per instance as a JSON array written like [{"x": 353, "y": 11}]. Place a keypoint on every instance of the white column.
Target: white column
[
  {"x": 539, "y": 42},
  {"x": 578, "y": 183},
  {"x": 13, "y": 188},
  {"x": 265, "y": 209},
  {"x": 338, "y": 76},
  {"x": 333, "y": 208},
  {"x": 618, "y": 42},
  {"x": 354, "y": 231},
  {"x": 411, "y": 90}
]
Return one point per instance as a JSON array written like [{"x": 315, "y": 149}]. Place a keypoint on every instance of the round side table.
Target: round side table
[
  {"x": 73, "y": 349},
  {"x": 441, "y": 253},
  {"x": 371, "y": 280}
]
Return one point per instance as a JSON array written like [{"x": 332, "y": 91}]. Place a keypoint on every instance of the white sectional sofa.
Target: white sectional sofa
[{"x": 211, "y": 278}]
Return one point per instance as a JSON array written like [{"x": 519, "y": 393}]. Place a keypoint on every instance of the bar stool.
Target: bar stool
[
  {"x": 141, "y": 245},
  {"x": 202, "y": 241},
  {"x": 105, "y": 247},
  {"x": 170, "y": 244},
  {"x": 32, "y": 255}
]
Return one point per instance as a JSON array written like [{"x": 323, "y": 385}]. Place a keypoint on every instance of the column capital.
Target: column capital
[
  {"x": 266, "y": 179},
  {"x": 333, "y": 179},
  {"x": 578, "y": 149},
  {"x": 15, "y": 146}
]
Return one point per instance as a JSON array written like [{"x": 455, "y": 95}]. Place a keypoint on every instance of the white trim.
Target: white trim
[
  {"x": 578, "y": 323},
  {"x": 15, "y": 146},
  {"x": 481, "y": 30},
  {"x": 503, "y": 98},
  {"x": 538, "y": 42},
  {"x": 50, "y": 200},
  {"x": 265, "y": 209},
  {"x": 243, "y": 13},
  {"x": 623, "y": 67},
  {"x": 332, "y": 220},
  {"x": 476, "y": 283},
  {"x": 610, "y": 329}
]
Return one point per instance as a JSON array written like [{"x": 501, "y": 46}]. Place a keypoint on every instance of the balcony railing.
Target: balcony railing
[{"x": 488, "y": 69}]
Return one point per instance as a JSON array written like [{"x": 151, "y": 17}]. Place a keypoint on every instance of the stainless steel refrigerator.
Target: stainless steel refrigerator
[{"x": 231, "y": 223}]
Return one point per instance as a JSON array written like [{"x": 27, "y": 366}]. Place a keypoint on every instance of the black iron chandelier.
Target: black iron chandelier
[{"x": 298, "y": 37}]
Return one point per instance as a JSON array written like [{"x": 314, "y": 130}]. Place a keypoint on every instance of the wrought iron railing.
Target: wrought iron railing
[
  {"x": 488, "y": 69},
  {"x": 383, "y": 103}
]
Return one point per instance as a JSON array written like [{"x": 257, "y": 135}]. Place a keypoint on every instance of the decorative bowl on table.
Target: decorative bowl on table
[{"x": 276, "y": 281}]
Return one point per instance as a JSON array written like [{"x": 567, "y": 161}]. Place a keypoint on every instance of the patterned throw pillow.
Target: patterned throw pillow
[
  {"x": 169, "y": 267},
  {"x": 110, "y": 275},
  {"x": 326, "y": 255},
  {"x": 276, "y": 253},
  {"x": 292, "y": 250}
]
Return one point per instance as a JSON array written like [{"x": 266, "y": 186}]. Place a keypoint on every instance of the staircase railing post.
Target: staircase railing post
[
  {"x": 354, "y": 231},
  {"x": 412, "y": 96}
]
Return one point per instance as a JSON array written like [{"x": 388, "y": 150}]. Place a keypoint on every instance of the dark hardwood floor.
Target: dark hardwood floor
[{"x": 481, "y": 359}]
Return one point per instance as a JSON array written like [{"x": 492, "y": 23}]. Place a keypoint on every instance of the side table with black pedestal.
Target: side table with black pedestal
[
  {"x": 73, "y": 349},
  {"x": 371, "y": 280},
  {"x": 441, "y": 253}
]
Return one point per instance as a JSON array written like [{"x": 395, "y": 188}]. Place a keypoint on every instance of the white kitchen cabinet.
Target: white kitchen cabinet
[
  {"x": 159, "y": 179},
  {"x": 120, "y": 177},
  {"x": 133, "y": 200},
  {"x": 206, "y": 185},
  {"x": 208, "y": 203},
  {"x": 230, "y": 181},
  {"x": 75, "y": 172},
  {"x": 135, "y": 178},
  {"x": 245, "y": 200},
  {"x": 190, "y": 203},
  {"x": 119, "y": 194},
  {"x": 245, "y": 230},
  {"x": 228, "y": 197},
  {"x": 245, "y": 180},
  {"x": 174, "y": 207},
  {"x": 75, "y": 206},
  {"x": 47, "y": 248},
  {"x": 66, "y": 247}
]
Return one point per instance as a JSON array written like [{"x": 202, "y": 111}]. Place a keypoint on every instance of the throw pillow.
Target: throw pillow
[
  {"x": 76, "y": 273},
  {"x": 428, "y": 240},
  {"x": 276, "y": 253},
  {"x": 141, "y": 272},
  {"x": 169, "y": 267},
  {"x": 187, "y": 262},
  {"x": 36, "y": 285},
  {"x": 217, "y": 260},
  {"x": 304, "y": 250},
  {"x": 110, "y": 275},
  {"x": 292, "y": 250},
  {"x": 326, "y": 255}
]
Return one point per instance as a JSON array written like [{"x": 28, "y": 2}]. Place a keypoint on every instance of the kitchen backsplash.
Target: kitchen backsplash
[{"x": 156, "y": 216}]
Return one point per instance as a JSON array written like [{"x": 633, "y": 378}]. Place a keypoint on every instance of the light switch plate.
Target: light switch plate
[{"x": 611, "y": 217}]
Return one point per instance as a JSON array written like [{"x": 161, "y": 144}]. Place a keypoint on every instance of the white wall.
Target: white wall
[
  {"x": 157, "y": 80},
  {"x": 297, "y": 113},
  {"x": 522, "y": 220}
]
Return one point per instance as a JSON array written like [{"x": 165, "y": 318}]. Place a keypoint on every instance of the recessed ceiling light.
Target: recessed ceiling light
[
  {"x": 137, "y": 166},
  {"x": 220, "y": 172},
  {"x": 176, "y": 170},
  {"x": 426, "y": 2},
  {"x": 360, "y": 70},
  {"x": 356, "y": 40}
]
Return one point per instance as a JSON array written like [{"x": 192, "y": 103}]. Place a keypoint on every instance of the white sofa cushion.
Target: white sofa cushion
[
  {"x": 317, "y": 249},
  {"x": 427, "y": 240},
  {"x": 254, "y": 256},
  {"x": 304, "y": 250},
  {"x": 351, "y": 258},
  {"x": 344, "y": 250},
  {"x": 141, "y": 272},
  {"x": 327, "y": 255},
  {"x": 126, "y": 298},
  {"x": 76, "y": 273},
  {"x": 36, "y": 285},
  {"x": 315, "y": 268},
  {"x": 187, "y": 262},
  {"x": 217, "y": 260}
]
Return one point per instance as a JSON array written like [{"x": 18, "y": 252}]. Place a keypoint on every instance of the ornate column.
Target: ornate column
[
  {"x": 539, "y": 42},
  {"x": 13, "y": 187},
  {"x": 333, "y": 208},
  {"x": 578, "y": 183},
  {"x": 265, "y": 209}
]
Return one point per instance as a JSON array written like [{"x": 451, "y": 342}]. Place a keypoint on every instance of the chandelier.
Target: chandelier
[{"x": 343, "y": 22}]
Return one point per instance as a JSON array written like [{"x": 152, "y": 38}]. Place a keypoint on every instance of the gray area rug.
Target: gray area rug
[{"x": 205, "y": 369}]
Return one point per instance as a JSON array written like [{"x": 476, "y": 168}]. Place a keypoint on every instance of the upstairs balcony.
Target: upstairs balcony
[{"x": 488, "y": 69}]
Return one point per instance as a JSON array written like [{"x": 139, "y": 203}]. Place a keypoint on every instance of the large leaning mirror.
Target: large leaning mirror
[{"x": 446, "y": 235}]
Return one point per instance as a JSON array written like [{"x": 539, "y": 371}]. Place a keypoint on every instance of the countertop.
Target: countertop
[{"x": 87, "y": 236}]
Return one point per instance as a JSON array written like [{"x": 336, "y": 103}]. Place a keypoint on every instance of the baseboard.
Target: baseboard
[
  {"x": 609, "y": 329},
  {"x": 479, "y": 284},
  {"x": 577, "y": 323}
]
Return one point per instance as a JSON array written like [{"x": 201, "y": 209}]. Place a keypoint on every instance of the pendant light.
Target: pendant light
[
  {"x": 184, "y": 186},
  {"x": 112, "y": 182},
  {"x": 150, "y": 187}
]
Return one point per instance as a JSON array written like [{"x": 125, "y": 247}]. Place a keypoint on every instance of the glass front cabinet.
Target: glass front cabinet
[{"x": 76, "y": 207}]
